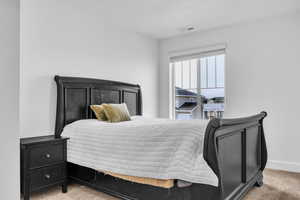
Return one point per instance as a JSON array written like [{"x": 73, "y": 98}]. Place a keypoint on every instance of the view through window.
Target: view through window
[{"x": 199, "y": 87}]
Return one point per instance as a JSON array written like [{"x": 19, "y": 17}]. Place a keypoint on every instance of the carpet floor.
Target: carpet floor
[{"x": 278, "y": 185}]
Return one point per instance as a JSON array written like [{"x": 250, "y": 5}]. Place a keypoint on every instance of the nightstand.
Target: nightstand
[{"x": 43, "y": 163}]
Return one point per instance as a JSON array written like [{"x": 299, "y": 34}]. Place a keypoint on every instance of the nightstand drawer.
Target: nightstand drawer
[
  {"x": 46, "y": 176},
  {"x": 45, "y": 155}
]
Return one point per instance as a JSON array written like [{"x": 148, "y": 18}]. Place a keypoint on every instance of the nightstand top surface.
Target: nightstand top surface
[{"x": 40, "y": 139}]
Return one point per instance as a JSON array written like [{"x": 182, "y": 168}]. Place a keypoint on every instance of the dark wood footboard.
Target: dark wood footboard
[{"x": 236, "y": 151}]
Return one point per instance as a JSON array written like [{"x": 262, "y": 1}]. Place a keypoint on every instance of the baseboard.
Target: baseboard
[{"x": 285, "y": 166}]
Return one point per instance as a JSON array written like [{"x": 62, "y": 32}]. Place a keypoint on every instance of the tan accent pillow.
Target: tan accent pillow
[
  {"x": 99, "y": 112},
  {"x": 116, "y": 112}
]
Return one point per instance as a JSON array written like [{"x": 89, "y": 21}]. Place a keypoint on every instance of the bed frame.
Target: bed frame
[{"x": 235, "y": 149}]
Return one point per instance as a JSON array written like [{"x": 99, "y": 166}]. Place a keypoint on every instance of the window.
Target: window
[{"x": 199, "y": 87}]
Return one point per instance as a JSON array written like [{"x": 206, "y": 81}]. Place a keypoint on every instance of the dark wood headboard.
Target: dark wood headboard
[{"x": 75, "y": 95}]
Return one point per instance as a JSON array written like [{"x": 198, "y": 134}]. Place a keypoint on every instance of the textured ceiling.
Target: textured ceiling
[{"x": 167, "y": 18}]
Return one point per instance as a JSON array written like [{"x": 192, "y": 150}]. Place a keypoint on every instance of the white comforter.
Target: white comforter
[{"x": 143, "y": 147}]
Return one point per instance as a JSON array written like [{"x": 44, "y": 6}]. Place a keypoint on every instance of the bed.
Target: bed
[{"x": 233, "y": 149}]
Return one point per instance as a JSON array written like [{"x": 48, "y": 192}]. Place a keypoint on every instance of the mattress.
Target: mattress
[{"x": 152, "y": 148}]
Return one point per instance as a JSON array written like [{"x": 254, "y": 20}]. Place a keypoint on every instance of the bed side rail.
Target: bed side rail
[{"x": 235, "y": 149}]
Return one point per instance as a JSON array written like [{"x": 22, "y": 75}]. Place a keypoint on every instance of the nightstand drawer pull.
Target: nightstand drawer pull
[
  {"x": 47, "y": 176},
  {"x": 48, "y": 155}
]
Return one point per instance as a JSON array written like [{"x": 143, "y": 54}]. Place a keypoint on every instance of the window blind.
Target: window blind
[{"x": 196, "y": 55}]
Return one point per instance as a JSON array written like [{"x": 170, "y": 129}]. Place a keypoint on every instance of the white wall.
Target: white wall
[
  {"x": 262, "y": 73},
  {"x": 9, "y": 101},
  {"x": 69, "y": 38}
]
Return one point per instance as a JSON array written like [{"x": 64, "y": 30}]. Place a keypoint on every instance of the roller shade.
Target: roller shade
[{"x": 196, "y": 53}]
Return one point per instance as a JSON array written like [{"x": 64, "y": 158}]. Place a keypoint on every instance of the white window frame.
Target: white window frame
[{"x": 189, "y": 54}]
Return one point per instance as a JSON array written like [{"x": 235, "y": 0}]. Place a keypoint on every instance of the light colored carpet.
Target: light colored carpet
[{"x": 278, "y": 185}]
